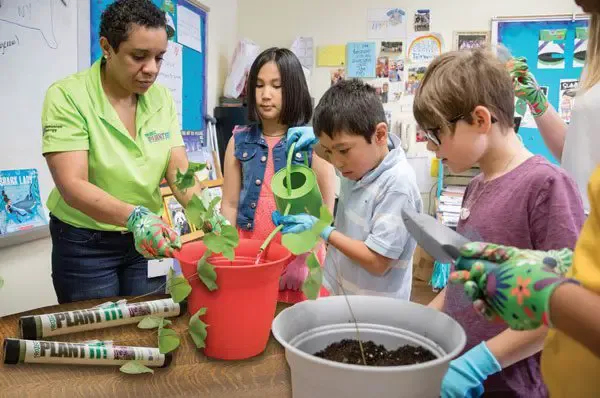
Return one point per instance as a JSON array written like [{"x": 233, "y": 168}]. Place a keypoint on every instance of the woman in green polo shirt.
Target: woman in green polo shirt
[{"x": 109, "y": 137}]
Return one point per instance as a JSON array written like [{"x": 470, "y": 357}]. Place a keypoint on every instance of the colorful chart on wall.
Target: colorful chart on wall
[
  {"x": 183, "y": 70},
  {"x": 555, "y": 49}
]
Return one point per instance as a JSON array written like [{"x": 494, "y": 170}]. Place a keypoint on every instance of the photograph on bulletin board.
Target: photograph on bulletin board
[
  {"x": 396, "y": 70},
  {"x": 175, "y": 216},
  {"x": 470, "y": 40}
]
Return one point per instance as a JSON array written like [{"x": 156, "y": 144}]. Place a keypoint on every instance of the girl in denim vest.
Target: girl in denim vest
[{"x": 278, "y": 99}]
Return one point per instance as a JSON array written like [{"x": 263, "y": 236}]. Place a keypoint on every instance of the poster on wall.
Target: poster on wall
[
  {"x": 568, "y": 89},
  {"x": 469, "y": 40},
  {"x": 361, "y": 59},
  {"x": 422, "y": 20},
  {"x": 386, "y": 23},
  {"x": 580, "y": 46},
  {"x": 551, "y": 49},
  {"x": 424, "y": 48},
  {"x": 20, "y": 202}
]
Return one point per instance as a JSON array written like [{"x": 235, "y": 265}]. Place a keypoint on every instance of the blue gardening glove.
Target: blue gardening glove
[
  {"x": 299, "y": 223},
  {"x": 304, "y": 137},
  {"x": 467, "y": 373}
]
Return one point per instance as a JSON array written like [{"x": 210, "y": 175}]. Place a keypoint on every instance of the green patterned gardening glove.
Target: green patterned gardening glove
[
  {"x": 512, "y": 284},
  {"x": 153, "y": 237},
  {"x": 526, "y": 88}
]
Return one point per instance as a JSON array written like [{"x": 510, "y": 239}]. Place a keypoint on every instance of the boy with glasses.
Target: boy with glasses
[{"x": 465, "y": 105}]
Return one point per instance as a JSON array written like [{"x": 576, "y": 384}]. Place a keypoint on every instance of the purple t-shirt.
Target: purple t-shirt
[{"x": 534, "y": 206}]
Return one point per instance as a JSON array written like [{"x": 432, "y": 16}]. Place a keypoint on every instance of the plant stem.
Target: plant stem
[{"x": 360, "y": 345}]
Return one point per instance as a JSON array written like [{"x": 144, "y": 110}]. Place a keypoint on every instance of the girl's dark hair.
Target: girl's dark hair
[
  {"x": 350, "y": 106},
  {"x": 116, "y": 20},
  {"x": 297, "y": 104}
]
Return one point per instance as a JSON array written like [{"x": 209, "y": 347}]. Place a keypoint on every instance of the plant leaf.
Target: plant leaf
[
  {"x": 135, "y": 368},
  {"x": 213, "y": 204},
  {"x": 197, "y": 328},
  {"x": 179, "y": 287},
  {"x": 195, "y": 211},
  {"x": 314, "y": 280},
  {"x": 186, "y": 180},
  {"x": 206, "y": 272},
  {"x": 152, "y": 322},
  {"x": 1, "y": 282},
  {"x": 220, "y": 243},
  {"x": 168, "y": 340},
  {"x": 300, "y": 243},
  {"x": 230, "y": 235}
]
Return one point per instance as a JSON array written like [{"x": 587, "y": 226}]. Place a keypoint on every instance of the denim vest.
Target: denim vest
[{"x": 252, "y": 151}]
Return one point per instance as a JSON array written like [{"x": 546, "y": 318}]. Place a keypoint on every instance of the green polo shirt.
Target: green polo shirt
[{"x": 77, "y": 116}]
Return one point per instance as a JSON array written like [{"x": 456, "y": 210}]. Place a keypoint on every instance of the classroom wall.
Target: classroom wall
[
  {"x": 26, "y": 268},
  {"x": 277, "y": 23}
]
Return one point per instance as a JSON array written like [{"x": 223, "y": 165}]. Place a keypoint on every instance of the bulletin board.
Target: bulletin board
[
  {"x": 527, "y": 37},
  {"x": 193, "y": 47}
]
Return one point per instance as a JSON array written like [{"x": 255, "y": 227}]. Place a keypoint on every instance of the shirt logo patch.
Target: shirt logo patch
[{"x": 155, "y": 136}]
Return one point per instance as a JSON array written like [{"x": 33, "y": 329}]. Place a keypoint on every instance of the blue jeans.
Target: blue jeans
[{"x": 89, "y": 264}]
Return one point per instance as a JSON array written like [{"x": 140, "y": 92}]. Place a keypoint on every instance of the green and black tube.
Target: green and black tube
[
  {"x": 17, "y": 351},
  {"x": 35, "y": 327}
]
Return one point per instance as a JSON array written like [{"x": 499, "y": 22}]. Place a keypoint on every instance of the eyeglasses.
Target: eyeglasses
[{"x": 433, "y": 134}]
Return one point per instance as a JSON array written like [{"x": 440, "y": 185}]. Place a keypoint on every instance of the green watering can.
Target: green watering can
[{"x": 297, "y": 186}]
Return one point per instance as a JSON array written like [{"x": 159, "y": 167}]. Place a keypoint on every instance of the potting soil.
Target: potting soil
[{"x": 348, "y": 351}]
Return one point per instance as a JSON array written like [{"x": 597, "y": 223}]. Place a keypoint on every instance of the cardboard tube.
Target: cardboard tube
[
  {"x": 61, "y": 353},
  {"x": 39, "y": 326}
]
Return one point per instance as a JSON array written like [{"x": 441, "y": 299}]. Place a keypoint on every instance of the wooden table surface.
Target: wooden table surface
[{"x": 190, "y": 374}]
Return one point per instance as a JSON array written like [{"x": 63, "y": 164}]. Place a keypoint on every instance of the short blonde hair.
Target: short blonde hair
[{"x": 457, "y": 82}]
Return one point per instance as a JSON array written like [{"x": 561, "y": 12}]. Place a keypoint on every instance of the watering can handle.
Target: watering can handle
[{"x": 288, "y": 167}]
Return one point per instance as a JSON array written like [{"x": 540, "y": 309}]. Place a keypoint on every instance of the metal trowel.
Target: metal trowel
[{"x": 441, "y": 242}]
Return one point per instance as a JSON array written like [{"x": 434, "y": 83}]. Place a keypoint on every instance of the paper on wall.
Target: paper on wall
[
  {"x": 332, "y": 55},
  {"x": 580, "y": 46},
  {"x": 189, "y": 26},
  {"x": 171, "y": 75},
  {"x": 424, "y": 48},
  {"x": 303, "y": 48},
  {"x": 551, "y": 49},
  {"x": 568, "y": 88},
  {"x": 386, "y": 23}
]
